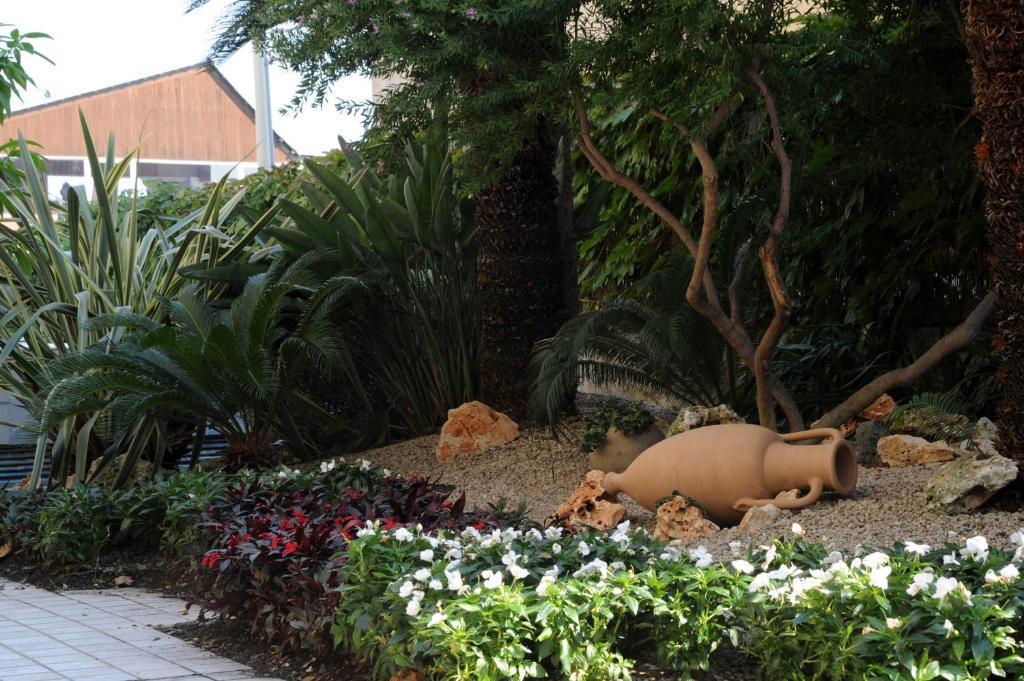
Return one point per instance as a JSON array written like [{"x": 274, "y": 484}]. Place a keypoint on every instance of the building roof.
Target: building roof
[{"x": 182, "y": 114}]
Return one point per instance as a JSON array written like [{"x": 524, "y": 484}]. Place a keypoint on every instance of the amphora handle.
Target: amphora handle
[
  {"x": 817, "y": 486},
  {"x": 828, "y": 433}
]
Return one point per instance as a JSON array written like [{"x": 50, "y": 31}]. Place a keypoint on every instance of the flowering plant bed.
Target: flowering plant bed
[{"x": 274, "y": 552}]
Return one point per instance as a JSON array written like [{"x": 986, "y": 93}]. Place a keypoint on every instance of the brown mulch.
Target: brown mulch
[{"x": 147, "y": 569}]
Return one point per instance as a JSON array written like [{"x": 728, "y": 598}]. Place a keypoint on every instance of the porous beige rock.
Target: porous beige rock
[
  {"x": 587, "y": 507},
  {"x": 788, "y": 495},
  {"x": 760, "y": 517},
  {"x": 474, "y": 427},
  {"x": 910, "y": 450},
  {"x": 141, "y": 470},
  {"x": 697, "y": 417},
  {"x": 968, "y": 482},
  {"x": 679, "y": 518}
]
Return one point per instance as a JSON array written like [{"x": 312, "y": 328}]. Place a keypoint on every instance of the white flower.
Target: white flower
[
  {"x": 948, "y": 626},
  {"x": 282, "y": 474},
  {"x": 421, "y": 575},
  {"x": 671, "y": 554},
  {"x": 991, "y": 577},
  {"x": 1009, "y": 572},
  {"x": 436, "y": 619},
  {"x": 402, "y": 534},
  {"x": 892, "y": 622},
  {"x": 556, "y": 549},
  {"x": 386, "y": 472},
  {"x": 545, "y": 582},
  {"x": 406, "y": 589},
  {"x": 621, "y": 533},
  {"x": 454, "y": 580},
  {"x": 944, "y": 586},
  {"x": 735, "y": 546},
  {"x": 596, "y": 565},
  {"x": 492, "y": 579},
  {"x": 760, "y": 581},
  {"x": 553, "y": 532},
  {"x": 418, "y": 595},
  {"x": 323, "y": 467},
  {"x": 583, "y": 549},
  {"x": 510, "y": 558},
  {"x": 701, "y": 557},
  {"x": 412, "y": 608},
  {"x": 797, "y": 529},
  {"x": 743, "y": 566},
  {"x": 920, "y": 583},
  {"x": 769, "y": 556},
  {"x": 916, "y": 549},
  {"x": 950, "y": 559},
  {"x": 364, "y": 464},
  {"x": 518, "y": 572},
  {"x": 1017, "y": 537},
  {"x": 975, "y": 548},
  {"x": 879, "y": 577},
  {"x": 875, "y": 560},
  {"x": 427, "y": 555},
  {"x": 832, "y": 558},
  {"x": 435, "y": 584}
]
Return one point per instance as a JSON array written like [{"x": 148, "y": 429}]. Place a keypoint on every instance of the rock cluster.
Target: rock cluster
[
  {"x": 909, "y": 450},
  {"x": 680, "y": 518},
  {"x": 696, "y": 417},
  {"x": 588, "y": 506},
  {"x": 474, "y": 427}
]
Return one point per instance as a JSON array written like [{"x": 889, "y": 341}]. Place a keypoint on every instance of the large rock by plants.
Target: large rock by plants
[
  {"x": 865, "y": 442},
  {"x": 140, "y": 471},
  {"x": 909, "y": 450},
  {"x": 587, "y": 507},
  {"x": 968, "y": 482},
  {"x": 680, "y": 518},
  {"x": 474, "y": 427},
  {"x": 697, "y": 417}
]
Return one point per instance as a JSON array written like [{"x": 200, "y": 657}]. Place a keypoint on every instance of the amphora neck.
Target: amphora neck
[{"x": 792, "y": 466}]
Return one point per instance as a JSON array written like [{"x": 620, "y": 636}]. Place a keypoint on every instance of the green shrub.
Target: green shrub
[
  {"x": 511, "y": 604},
  {"x": 630, "y": 419},
  {"x": 75, "y": 525}
]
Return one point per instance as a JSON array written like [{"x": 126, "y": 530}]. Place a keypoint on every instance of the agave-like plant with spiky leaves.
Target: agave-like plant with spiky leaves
[
  {"x": 231, "y": 370},
  {"x": 62, "y": 264}
]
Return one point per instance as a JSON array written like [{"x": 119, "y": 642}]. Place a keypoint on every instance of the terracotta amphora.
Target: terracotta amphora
[{"x": 730, "y": 468}]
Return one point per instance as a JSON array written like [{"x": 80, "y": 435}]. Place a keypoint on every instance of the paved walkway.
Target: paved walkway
[{"x": 103, "y": 635}]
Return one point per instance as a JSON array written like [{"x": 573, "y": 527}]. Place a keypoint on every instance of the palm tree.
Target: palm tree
[{"x": 994, "y": 29}]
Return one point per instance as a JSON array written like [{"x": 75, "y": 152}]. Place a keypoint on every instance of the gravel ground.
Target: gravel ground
[{"x": 542, "y": 471}]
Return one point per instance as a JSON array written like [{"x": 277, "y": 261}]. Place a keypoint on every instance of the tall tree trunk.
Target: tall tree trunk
[
  {"x": 520, "y": 271},
  {"x": 995, "y": 37}
]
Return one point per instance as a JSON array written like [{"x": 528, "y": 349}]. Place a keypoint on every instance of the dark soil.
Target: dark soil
[
  {"x": 148, "y": 569},
  {"x": 234, "y": 640}
]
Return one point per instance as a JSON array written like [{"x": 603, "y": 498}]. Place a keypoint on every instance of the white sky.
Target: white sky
[{"x": 99, "y": 43}]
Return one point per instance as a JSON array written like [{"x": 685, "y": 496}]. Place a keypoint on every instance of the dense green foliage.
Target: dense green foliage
[
  {"x": 233, "y": 370},
  {"x": 630, "y": 419},
  {"x": 61, "y": 265}
]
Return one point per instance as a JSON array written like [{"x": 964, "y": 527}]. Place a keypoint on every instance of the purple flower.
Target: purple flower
[
  {"x": 352, "y": 2},
  {"x": 472, "y": 12},
  {"x": 407, "y": 15}
]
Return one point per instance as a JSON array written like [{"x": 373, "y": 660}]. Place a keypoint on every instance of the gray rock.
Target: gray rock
[
  {"x": 865, "y": 442},
  {"x": 967, "y": 482},
  {"x": 760, "y": 517}
]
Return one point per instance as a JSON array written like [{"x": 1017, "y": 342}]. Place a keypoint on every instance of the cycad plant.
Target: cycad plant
[
  {"x": 651, "y": 343},
  {"x": 61, "y": 265},
  {"x": 233, "y": 371}
]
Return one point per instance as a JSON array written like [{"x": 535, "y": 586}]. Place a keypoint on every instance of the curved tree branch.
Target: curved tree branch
[
  {"x": 952, "y": 342},
  {"x": 768, "y": 253}
]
